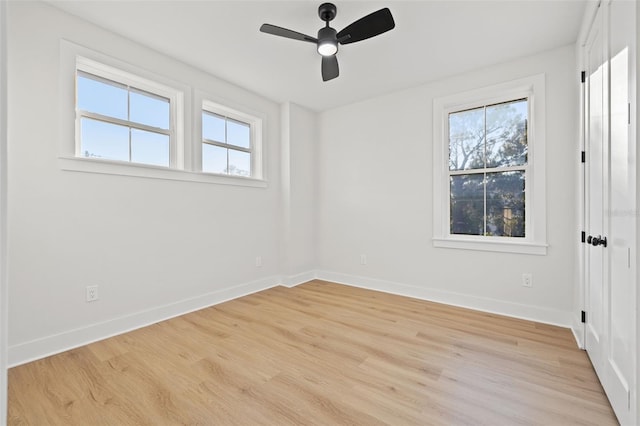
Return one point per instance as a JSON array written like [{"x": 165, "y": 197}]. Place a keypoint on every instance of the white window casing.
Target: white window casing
[
  {"x": 534, "y": 242},
  {"x": 254, "y": 120}
]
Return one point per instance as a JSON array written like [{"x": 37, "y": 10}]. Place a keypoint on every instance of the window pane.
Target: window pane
[
  {"x": 467, "y": 204},
  {"x": 106, "y": 99},
  {"x": 238, "y": 134},
  {"x": 239, "y": 163},
  {"x": 149, "y": 148},
  {"x": 466, "y": 139},
  {"x": 505, "y": 204},
  {"x": 214, "y": 159},
  {"x": 213, "y": 127},
  {"x": 104, "y": 140},
  {"x": 507, "y": 134},
  {"x": 149, "y": 110}
]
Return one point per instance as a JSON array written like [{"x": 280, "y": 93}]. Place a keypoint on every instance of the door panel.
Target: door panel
[
  {"x": 595, "y": 116},
  {"x": 619, "y": 367}
]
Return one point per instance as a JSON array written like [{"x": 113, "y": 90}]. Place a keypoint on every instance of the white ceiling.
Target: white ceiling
[{"x": 432, "y": 39}]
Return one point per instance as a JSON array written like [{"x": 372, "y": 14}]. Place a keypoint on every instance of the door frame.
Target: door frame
[{"x": 579, "y": 329}]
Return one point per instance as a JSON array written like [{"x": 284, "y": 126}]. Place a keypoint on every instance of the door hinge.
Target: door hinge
[
  {"x": 583, "y": 76},
  {"x": 583, "y": 237},
  {"x": 583, "y": 316},
  {"x": 583, "y": 157}
]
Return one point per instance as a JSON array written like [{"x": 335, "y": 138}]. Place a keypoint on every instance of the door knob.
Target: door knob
[
  {"x": 597, "y": 241},
  {"x": 603, "y": 241}
]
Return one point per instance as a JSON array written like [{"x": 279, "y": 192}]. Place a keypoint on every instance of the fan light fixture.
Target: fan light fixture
[
  {"x": 327, "y": 41},
  {"x": 327, "y": 48}
]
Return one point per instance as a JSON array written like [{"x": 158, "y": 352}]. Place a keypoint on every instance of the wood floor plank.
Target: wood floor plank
[{"x": 318, "y": 354}]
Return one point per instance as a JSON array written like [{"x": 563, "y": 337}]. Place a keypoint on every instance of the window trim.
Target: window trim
[
  {"x": 534, "y": 242},
  {"x": 126, "y": 79},
  {"x": 118, "y": 168},
  {"x": 214, "y": 105}
]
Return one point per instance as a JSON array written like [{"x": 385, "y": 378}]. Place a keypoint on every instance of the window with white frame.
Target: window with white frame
[
  {"x": 120, "y": 118},
  {"x": 230, "y": 141},
  {"x": 123, "y": 117},
  {"x": 488, "y": 184}
]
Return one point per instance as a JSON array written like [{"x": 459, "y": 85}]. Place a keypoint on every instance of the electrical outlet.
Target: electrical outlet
[
  {"x": 527, "y": 280},
  {"x": 92, "y": 293},
  {"x": 363, "y": 259},
  {"x": 258, "y": 261}
]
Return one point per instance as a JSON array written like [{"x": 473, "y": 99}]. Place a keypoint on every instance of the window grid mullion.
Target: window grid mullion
[
  {"x": 121, "y": 122},
  {"x": 484, "y": 204},
  {"x": 226, "y": 125},
  {"x": 522, "y": 168},
  {"x": 129, "y": 118},
  {"x": 484, "y": 163},
  {"x": 224, "y": 145}
]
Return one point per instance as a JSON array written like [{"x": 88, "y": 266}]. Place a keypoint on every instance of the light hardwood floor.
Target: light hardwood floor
[{"x": 318, "y": 354}]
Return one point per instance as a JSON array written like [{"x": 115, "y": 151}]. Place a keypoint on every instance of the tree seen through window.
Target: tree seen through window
[{"x": 487, "y": 169}]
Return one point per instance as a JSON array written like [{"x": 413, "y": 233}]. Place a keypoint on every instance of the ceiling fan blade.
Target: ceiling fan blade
[
  {"x": 283, "y": 32},
  {"x": 329, "y": 67},
  {"x": 369, "y": 26}
]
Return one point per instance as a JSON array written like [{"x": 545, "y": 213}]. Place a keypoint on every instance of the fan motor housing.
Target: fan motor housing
[
  {"x": 326, "y": 34},
  {"x": 326, "y": 38}
]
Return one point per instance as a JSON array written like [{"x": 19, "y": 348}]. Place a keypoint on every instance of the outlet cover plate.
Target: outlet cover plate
[{"x": 92, "y": 293}]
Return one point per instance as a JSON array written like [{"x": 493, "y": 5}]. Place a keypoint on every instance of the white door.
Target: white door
[
  {"x": 595, "y": 115},
  {"x": 611, "y": 204},
  {"x": 619, "y": 361}
]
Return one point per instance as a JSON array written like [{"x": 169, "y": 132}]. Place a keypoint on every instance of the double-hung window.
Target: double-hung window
[
  {"x": 230, "y": 141},
  {"x": 488, "y": 169},
  {"x": 488, "y": 184},
  {"x": 122, "y": 117}
]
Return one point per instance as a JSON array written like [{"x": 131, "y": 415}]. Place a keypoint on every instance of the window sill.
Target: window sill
[
  {"x": 520, "y": 247},
  {"x": 88, "y": 165}
]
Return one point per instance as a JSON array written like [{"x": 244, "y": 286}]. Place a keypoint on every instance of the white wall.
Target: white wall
[
  {"x": 635, "y": 105},
  {"x": 156, "y": 248},
  {"x": 375, "y": 192},
  {"x": 299, "y": 193},
  {"x": 3, "y": 215}
]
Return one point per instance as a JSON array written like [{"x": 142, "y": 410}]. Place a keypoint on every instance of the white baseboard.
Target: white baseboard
[
  {"x": 50, "y": 345},
  {"x": 577, "y": 328},
  {"x": 294, "y": 280},
  {"x": 501, "y": 307}
]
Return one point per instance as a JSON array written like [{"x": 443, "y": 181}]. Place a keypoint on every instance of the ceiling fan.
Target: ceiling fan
[{"x": 328, "y": 38}]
